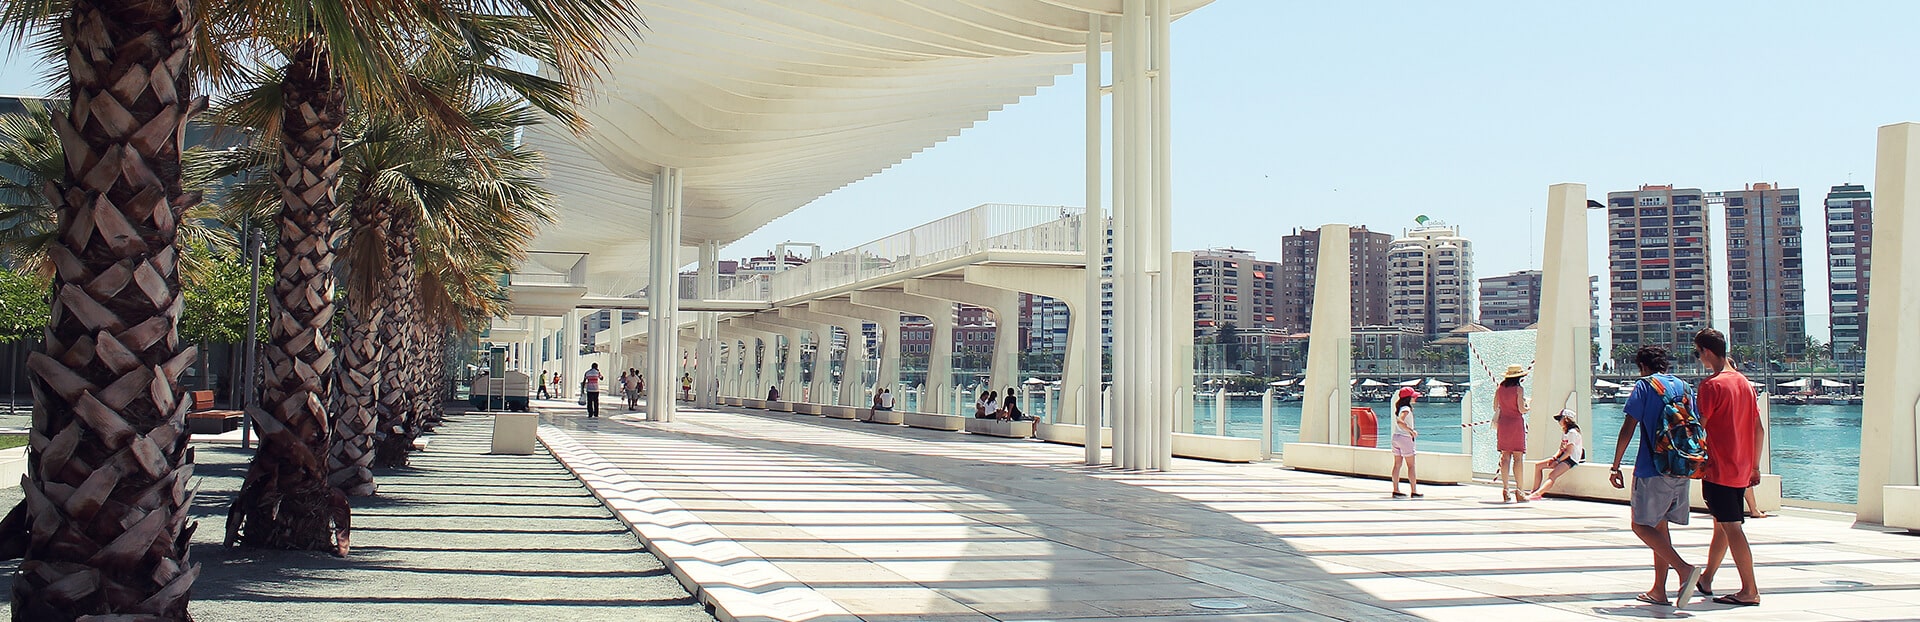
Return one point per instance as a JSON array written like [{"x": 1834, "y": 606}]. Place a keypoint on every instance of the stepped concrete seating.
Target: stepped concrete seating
[
  {"x": 1216, "y": 448},
  {"x": 204, "y": 419},
  {"x": 779, "y": 406},
  {"x": 1589, "y": 481},
  {"x": 804, "y": 408},
  {"x": 1435, "y": 467},
  {"x": 996, "y": 427},
  {"x": 950, "y": 423},
  {"x": 748, "y": 402},
  {"x": 1902, "y": 505},
  {"x": 1070, "y": 434},
  {"x": 891, "y": 417},
  {"x": 838, "y": 412}
]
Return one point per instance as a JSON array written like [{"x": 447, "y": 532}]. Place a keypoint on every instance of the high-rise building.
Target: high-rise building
[
  {"x": 1766, "y": 292},
  {"x": 1043, "y": 324},
  {"x": 1510, "y": 301},
  {"x": 1430, "y": 279},
  {"x": 1231, "y": 286},
  {"x": 1849, "y": 260},
  {"x": 1300, "y": 267},
  {"x": 1657, "y": 258}
]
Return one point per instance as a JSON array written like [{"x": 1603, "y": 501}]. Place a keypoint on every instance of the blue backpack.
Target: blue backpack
[{"x": 1679, "y": 441}]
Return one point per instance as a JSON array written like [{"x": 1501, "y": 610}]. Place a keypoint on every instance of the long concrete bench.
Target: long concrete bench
[
  {"x": 1434, "y": 467},
  {"x": 1589, "y": 481},
  {"x": 753, "y": 403},
  {"x": 1902, "y": 506},
  {"x": 891, "y": 417},
  {"x": 779, "y": 406},
  {"x": 1216, "y": 448},
  {"x": 839, "y": 412},
  {"x": 996, "y": 427},
  {"x": 804, "y": 408},
  {"x": 950, "y": 423},
  {"x": 1070, "y": 434},
  {"x": 730, "y": 401}
]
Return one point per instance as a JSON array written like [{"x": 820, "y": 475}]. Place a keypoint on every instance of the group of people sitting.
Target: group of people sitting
[{"x": 992, "y": 406}]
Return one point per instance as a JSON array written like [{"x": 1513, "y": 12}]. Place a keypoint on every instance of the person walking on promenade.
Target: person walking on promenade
[
  {"x": 590, "y": 385},
  {"x": 1403, "y": 437},
  {"x": 542, "y": 387},
  {"x": 1731, "y": 416},
  {"x": 559, "y": 388},
  {"x": 686, "y": 387},
  {"x": 1571, "y": 452},
  {"x": 626, "y": 386},
  {"x": 1510, "y": 426},
  {"x": 1657, "y": 498}
]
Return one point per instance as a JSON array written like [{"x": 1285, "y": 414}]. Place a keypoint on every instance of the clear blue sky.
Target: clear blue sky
[{"x": 1292, "y": 114}]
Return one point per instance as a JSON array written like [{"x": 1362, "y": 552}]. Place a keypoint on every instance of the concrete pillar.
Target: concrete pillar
[
  {"x": 663, "y": 296},
  {"x": 822, "y": 338},
  {"x": 1892, "y": 393},
  {"x": 1059, "y": 283},
  {"x": 1181, "y": 316},
  {"x": 888, "y": 322},
  {"x": 1005, "y": 305},
  {"x": 1562, "y": 368},
  {"x": 707, "y": 287},
  {"x": 570, "y": 368},
  {"x": 1327, "y": 400},
  {"x": 940, "y": 351},
  {"x": 772, "y": 362},
  {"x": 1093, "y": 226},
  {"x": 853, "y": 361}
]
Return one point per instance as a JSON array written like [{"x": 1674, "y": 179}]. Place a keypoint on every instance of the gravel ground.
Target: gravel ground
[{"x": 459, "y": 535}]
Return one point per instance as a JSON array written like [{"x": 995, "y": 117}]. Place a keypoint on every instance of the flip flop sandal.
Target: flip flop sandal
[
  {"x": 1649, "y": 600},
  {"x": 1701, "y": 590},
  {"x": 1730, "y": 600}
]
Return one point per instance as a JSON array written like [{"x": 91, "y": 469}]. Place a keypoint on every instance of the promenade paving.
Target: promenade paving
[
  {"x": 778, "y": 516},
  {"x": 459, "y": 535}
]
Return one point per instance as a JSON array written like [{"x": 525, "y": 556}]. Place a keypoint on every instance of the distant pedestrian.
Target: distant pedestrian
[
  {"x": 559, "y": 387},
  {"x": 1572, "y": 450},
  {"x": 590, "y": 386},
  {"x": 1731, "y": 416},
  {"x": 1659, "y": 497},
  {"x": 686, "y": 387},
  {"x": 1403, "y": 438},
  {"x": 541, "y": 388},
  {"x": 1510, "y": 426}
]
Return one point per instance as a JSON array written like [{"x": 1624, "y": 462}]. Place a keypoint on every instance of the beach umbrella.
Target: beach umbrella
[
  {"x": 1373, "y": 383},
  {"x": 1410, "y": 383}
]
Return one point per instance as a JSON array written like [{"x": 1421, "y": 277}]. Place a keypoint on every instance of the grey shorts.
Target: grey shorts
[{"x": 1660, "y": 498}]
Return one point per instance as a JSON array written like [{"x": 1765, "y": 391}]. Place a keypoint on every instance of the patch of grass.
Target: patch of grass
[{"x": 10, "y": 441}]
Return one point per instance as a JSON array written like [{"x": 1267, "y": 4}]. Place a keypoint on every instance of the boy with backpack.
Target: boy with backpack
[{"x": 1672, "y": 450}]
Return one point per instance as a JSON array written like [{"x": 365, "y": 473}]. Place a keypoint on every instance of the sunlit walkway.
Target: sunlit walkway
[{"x": 797, "y": 516}]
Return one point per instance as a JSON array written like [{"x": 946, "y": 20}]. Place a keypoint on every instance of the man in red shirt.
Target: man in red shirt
[{"x": 1731, "y": 417}]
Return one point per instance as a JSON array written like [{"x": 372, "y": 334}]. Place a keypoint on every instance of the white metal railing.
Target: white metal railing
[{"x": 987, "y": 227}]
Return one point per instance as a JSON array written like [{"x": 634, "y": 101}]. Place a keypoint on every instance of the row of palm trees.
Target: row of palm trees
[{"x": 383, "y": 150}]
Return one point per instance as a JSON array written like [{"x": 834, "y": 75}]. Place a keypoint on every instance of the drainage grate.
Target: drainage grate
[{"x": 1218, "y": 604}]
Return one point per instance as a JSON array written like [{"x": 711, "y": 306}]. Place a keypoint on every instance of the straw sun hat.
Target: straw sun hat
[{"x": 1516, "y": 371}]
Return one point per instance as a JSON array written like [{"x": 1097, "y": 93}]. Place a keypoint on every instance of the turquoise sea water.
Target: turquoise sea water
[{"x": 1816, "y": 448}]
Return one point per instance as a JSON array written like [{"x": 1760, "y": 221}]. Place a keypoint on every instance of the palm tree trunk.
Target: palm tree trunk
[
  {"x": 350, "y": 458},
  {"x": 285, "y": 502},
  {"x": 107, "y": 495},
  {"x": 399, "y": 395}
]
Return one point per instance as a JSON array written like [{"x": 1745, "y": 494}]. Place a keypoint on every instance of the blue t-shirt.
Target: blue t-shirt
[{"x": 1646, "y": 407}]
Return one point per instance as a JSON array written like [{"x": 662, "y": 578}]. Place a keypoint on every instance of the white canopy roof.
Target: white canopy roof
[
  {"x": 1409, "y": 383},
  {"x": 766, "y": 105},
  {"x": 1372, "y": 383},
  {"x": 1825, "y": 382},
  {"x": 1797, "y": 383},
  {"x": 1605, "y": 384}
]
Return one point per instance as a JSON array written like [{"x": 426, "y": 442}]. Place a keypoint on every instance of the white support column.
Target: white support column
[
  {"x": 816, "y": 371},
  {"x": 1326, "y": 402},
  {"x": 616, "y": 343},
  {"x": 940, "y": 352},
  {"x": 707, "y": 287},
  {"x": 570, "y": 368},
  {"x": 1176, "y": 370},
  {"x": 663, "y": 296},
  {"x": 789, "y": 383},
  {"x": 1065, "y": 285},
  {"x": 1125, "y": 351},
  {"x": 1563, "y": 369},
  {"x": 1892, "y": 395},
  {"x": 1005, "y": 305},
  {"x": 855, "y": 357},
  {"x": 888, "y": 321},
  {"x": 1086, "y": 321}
]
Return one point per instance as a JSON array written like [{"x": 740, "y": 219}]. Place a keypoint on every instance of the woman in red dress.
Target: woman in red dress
[{"x": 1510, "y": 425}]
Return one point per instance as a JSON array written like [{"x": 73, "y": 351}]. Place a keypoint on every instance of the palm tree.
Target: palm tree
[
  {"x": 334, "y": 55},
  {"x": 106, "y": 504}
]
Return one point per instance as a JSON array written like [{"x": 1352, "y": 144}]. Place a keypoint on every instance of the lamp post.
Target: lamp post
[{"x": 248, "y": 395}]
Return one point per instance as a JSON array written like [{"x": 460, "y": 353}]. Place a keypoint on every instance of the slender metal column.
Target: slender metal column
[
  {"x": 663, "y": 300},
  {"x": 1125, "y": 350},
  {"x": 1166, "y": 330},
  {"x": 707, "y": 287},
  {"x": 1093, "y": 230},
  {"x": 1142, "y": 389}
]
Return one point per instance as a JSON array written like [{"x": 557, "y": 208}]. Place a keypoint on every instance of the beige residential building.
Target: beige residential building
[{"x": 1430, "y": 279}]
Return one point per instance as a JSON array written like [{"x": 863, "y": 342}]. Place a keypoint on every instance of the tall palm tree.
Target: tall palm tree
[
  {"x": 336, "y": 53},
  {"x": 105, "y": 519}
]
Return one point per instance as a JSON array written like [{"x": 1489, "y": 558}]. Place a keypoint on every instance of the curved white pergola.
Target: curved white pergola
[{"x": 766, "y": 105}]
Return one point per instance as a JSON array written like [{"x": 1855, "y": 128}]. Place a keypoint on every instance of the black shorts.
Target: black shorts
[{"x": 1724, "y": 502}]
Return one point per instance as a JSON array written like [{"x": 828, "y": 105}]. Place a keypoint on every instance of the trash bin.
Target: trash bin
[{"x": 513, "y": 433}]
